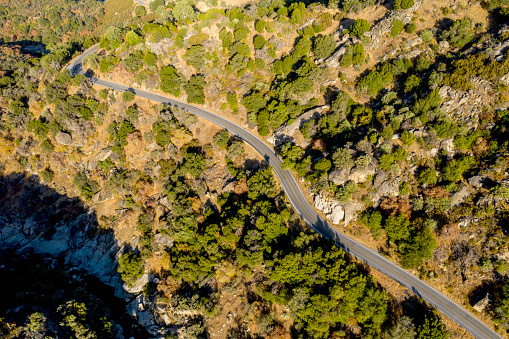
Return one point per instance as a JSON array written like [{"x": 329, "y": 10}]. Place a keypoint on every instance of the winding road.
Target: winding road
[{"x": 452, "y": 310}]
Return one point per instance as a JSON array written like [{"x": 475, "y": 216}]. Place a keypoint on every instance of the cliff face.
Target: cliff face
[{"x": 35, "y": 219}]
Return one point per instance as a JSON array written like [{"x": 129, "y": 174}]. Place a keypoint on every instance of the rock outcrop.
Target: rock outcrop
[
  {"x": 63, "y": 138},
  {"x": 330, "y": 207},
  {"x": 286, "y": 133}
]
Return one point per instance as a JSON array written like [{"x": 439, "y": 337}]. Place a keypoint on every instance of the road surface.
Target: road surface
[{"x": 455, "y": 312}]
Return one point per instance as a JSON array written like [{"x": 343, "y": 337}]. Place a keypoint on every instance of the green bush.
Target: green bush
[
  {"x": 428, "y": 177},
  {"x": 130, "y": 266},
  {"x": 171, "y": 80},
  {"x": 411, "y": 83},
  {"x": 195, "y": 90},
  {"x": 324, "y": 46},
  {"x": 410, "y": 28},
  {"x": 195, "y": 56},
  {"x": 373, "y": 220},
  {"x": 140, "y": 10},
  {"x": 259, "y": 42},
  {"x": 426, "y": 35},
  {"x": 359, "y": 27},
  {"x": 455, "y": 169},
  {"x": 260, "y": 26},
  {"x": 231, "y": 98},
  {"x": 86, "y": 187},
  {"x": 240, "y": 34},
  {"x": 47, "y": 175},
  {"x": 403, "y": 4},
  {"x": 396, "y": 27},
  {"x": 460, "y": 33},
  {"x": 397, "y": 228},
  {"x": 407, "y": 138},
  {"x": 128, "y": 96},
  {"x": 47, "y": 146}
]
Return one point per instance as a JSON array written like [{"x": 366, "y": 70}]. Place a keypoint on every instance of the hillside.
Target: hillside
[{"x": 394, "y": 117}]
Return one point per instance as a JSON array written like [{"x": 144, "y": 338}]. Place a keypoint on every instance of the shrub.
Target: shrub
[
  {"x": 194, "y": 56},
  {"x": 130, "y": 266},
  {"x": 150, "y": 59},
  {"x": 428, "y": 177},
  {"x": 455, "y": 168},
  {"x": 403, "y": 4},
  {"x": 358, "y": 54},
  {"x": 410, "y": 28},
  {"x": 140, "y": 10},
  {"x": 396, "y": 27},
  {"x": 259, "y": 42},
  {"x": 128, "y": 96},
  {"x": 372, "y": 220},
  {"x": 47, "y": 146},
  {"x": 86, "y": 187},
  {"x": 426, "y": 35},
  {"x": 132, "y": 38},
  {"x": 411, "y": 83},
  {"x": 195, "y": 89},
  {"x": 460, "y": 33},
  {"x": 47, "y": 175},
  {"x": 324, "y": 46},
  {"x": 231, "y": 98},
  {"x": 240, "y": 34},
  {"x": 171, "y": 80},
  {"x": 260, "y": 26},
  {"x": 407, "y": 138},
  {"x": 359, "y": 27}
]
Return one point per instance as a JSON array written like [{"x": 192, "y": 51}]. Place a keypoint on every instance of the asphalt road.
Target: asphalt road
[{"x": 455, "y": 312}]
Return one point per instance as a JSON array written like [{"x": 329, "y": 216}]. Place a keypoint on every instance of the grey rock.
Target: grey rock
[
  {"x": 102, "y": 196},
  {"x": 476, "y": 181},
  {"x": 361, "y": 174},
  {"x": 285, "y": 133},
  {"x": 482, "y": 304},
  {"x": 138, "y": 285},
  {"x": 339, "y": 176},
  {"x": 157, "y": 170},
  {"x": 351, "y": 209},
  {"x": 63, "y": 138},
  {"x": 460, "y": 196},
  {"x": 331, "y": 208},
  {"x": 334, "y": 59},
  {"x": 103, "y": 154},
  {"x": 163, "y": 240},
  {"x": 229, "y": 187},
  {"x": 447, "y": 145},
  {"x": 386, "y": 189},
  {"x": 380, "y": 177},
  {"x": 443, "y": 45}
]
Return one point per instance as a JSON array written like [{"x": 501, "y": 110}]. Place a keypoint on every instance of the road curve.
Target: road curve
[{"x": 450, "y": 309}]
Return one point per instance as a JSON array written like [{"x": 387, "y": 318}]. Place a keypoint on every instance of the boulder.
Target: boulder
[
  {"x": 361, "y": 174},
  {"x": 63, "y": 138},
  {"x": 339, "y": 176},
  {"x": 482, "y": 304},
  {"x": 448, "y": 146},
  {"x": 139, "y": 284},
  {"x": 285, "y": 133},
  {"x": 102, "y": 196},
  {"x": 331, "y": 208},
  {"x": 334, "y": 59},
  {"x": 351, "y": 209},
  {"x": 103, "y": 154},
  {"x": 163, "y": 240},
  {"x": 460, "y": 196},
  {"x": 476, "y": 181}
]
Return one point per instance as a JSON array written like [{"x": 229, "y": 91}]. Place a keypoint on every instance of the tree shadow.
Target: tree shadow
[{"x": 44, "y": 236}]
